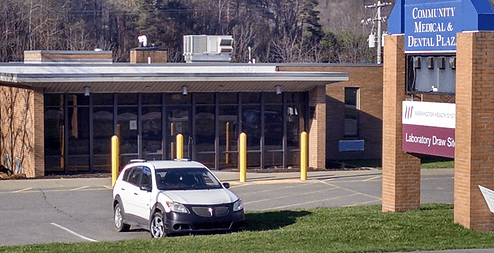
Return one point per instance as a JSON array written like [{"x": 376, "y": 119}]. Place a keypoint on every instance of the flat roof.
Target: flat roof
[{"x": 170, "y": 77}]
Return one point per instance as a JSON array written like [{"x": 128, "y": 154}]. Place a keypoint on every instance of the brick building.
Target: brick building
[{"x": 58, "y": 114}]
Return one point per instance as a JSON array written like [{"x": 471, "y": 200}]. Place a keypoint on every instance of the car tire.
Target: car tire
[
  {"x": 157, "y": 226},
  {"x": 118, "y": 214}
]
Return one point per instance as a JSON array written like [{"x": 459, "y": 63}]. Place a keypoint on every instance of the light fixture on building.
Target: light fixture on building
[
  {"x": 278, "y": 90},
  {"x": 86, "y": 91},
  {"x": 184, "y": 90}
]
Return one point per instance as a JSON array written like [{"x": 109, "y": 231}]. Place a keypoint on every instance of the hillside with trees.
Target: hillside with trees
[{"x": 276, "y": 30}]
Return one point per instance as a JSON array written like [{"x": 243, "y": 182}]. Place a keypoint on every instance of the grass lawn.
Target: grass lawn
[{"x": 349, "y": 229}]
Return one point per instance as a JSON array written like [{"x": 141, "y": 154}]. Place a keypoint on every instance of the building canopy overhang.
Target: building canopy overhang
[{"x": 102, "y": 78}]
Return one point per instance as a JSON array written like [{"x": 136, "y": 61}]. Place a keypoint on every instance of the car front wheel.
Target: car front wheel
[
  {"x": 118, "y": 212},
  {"x": 157, "y": 226}
]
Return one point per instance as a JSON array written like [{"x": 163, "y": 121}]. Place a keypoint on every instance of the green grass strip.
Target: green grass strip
[{"x": 349, "y": 229}]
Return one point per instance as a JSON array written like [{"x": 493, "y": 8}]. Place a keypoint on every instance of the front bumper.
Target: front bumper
[{"x": 204, "y": 221}]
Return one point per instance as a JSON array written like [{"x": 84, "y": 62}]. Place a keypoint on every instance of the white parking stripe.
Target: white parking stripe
[
  {"x": 74, "y": 233},
  {"x": 26, "y": 189},
  {"x": 372, "y": 178},
  {"x": 309, "y": 202},
  {"x": 350, "y": 190},
  {"x": 290, "y": 196},
  {"x": 363, "y": 203},
  {"x": 79, "y": 188}
]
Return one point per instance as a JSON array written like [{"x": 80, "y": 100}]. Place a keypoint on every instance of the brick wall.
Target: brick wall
[
  {"x": 401, "y": 171},
  {"x": 369, "y": 79},
  {"x": 317, "y": 128},
  {"x": 474, "y": 163},
  {"x": 22, "y": 130}
]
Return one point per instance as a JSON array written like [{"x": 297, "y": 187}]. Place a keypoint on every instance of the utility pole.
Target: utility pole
[{"x": 379, "y": 19}]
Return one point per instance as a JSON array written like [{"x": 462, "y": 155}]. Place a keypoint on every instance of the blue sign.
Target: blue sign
[
  {"x": 432, "y": 26},
  {"x": 351, "y": 145}
]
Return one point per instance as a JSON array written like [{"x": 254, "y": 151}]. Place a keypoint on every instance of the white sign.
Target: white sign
[
  {"x": 429, "y": 114},
  {"x": 488, "y": 196}
]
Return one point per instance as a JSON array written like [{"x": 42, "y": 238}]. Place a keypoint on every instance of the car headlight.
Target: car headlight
[
  {"x": 238, "y": 206},
  {"x": 177, "y": 207}
]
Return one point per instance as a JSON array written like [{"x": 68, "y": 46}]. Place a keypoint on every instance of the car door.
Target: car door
[
  {"x": 130, "y": 188},
  {"x": 142, "y": 195}
]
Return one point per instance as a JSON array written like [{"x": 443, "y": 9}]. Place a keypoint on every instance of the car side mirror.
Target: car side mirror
[
  {"x": 146, "y": 188},
  {"x": 226, "y": 185}
]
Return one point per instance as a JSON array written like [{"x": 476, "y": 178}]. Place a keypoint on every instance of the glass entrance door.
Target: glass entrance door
[{"x": 179, "y": 122}]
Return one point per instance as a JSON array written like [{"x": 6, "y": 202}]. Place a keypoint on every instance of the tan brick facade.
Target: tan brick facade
[
  {"x": 22, "y": 134},
  {"x": 369, "y": 79},
  {"x": 474, "y": 164},
  {"x": 401, "y": 171},
  {"x": 317, "y": 128}
]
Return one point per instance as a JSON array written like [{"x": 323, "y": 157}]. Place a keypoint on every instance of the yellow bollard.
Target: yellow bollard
[
  {"x": 242, "y": 153},
  {"x": 303, "y": 156},
  {"x": 180, "y": 146},
  {"x": 115, "y": 159},
  {"x": 227, "y": 144}
]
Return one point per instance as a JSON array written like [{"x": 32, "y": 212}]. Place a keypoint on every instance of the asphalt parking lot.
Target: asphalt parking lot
[{"x": 78, "y": 210}]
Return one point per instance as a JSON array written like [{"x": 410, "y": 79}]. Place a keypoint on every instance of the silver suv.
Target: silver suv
[{"x": 174, "y": 197}]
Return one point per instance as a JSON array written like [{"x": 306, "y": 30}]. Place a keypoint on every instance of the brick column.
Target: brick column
[
  {"x": 39, "y": 132},
  {"x": 474, "y": 150},
  {"x": 401, "y": 171},
  {"x": 317, "y": 127}
]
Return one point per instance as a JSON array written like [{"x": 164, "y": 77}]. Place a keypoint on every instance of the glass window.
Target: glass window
[
  {"x": 295, "y": 97},
  {"x": 205, "y": 130},
  {"x": 102, "y": 98},
  {"x": 151, "y": 99},
  {"x": 127, "y": 99},
  {"x": 77, "y": 99},
  {"x": 295, "y": 126},
  {"x": 127, "y": 129},
  {"x": 54, "y": 129},
  {"x": 151, "y": 130},
  {"x": 146, "y": 177},
  {"x": 135, "y": 176},
  {"x": 53, "y": 99},
  {"x": 228, "y": 98},
  {"x": 228, "y": 131},
  {"x": 251, "y": 97},
  {"x": 102, "y": 129},
  {"x": 177, "y": 98},
  {"x": 273, "y": 126},
  {"x": 204, "y": 98},
  {"x": 78, "y": 130},
  {"x": 352, "y": 105},
  {"x": 252, "y": 126},
  {"x": 273, "y": 98},
  {"x": 186, "y": 179},
  {"x": 273, "y": 135}
]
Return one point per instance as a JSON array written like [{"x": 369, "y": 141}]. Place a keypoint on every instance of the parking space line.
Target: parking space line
[
  {"x": 308, "y": 202},
  {"x": 271, "y": 190},
  {"x": 283, "y": 197},
  {"x": 362, "y": 203},
  {"x": 25, "y": 189},
  {"x": 350, "y": 190},
  {"x": 372, "y": 178},
  {"x": 79, "y": 188},
  {"x": 74, "y": 233}
]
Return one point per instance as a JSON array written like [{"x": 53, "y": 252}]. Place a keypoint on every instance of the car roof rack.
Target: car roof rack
[
  {"x": 182, "y": 160},
  {"x": 137, "y": 161}
]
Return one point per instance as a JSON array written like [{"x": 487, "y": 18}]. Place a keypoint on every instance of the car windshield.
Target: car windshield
[{"x": 186, "y": 179}]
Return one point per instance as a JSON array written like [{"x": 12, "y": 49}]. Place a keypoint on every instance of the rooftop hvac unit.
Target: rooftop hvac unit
[{"x": 208, "y": 48}]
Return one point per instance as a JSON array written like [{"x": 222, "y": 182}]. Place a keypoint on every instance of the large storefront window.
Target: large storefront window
[
  {"x": 54, "y": 133},
  {"x": 78, "y": 128}
]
